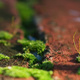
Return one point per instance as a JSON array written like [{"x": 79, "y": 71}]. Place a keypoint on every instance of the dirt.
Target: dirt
[{"x": 60, "y": 22}]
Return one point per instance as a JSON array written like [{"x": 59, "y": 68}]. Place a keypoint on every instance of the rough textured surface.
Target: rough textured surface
[{"x": 60, "y": 21}]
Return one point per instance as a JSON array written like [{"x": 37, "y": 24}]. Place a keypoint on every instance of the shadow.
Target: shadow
[
  {"x": 70, "y": 68},
  {"x": 74, "y": 57},
  {"x": 17, "y": 48}
]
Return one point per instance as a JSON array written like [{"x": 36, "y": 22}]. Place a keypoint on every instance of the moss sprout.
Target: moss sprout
[
  {"x": 46, "y": 65},
  {"x": 26, "y": 12},
  {"x": 27, "y": 56},
  {"x": 2, "y": 56},
  {"x": 5, "y": 35},
  {"x": 35, "y": 46},
  {"x": 78, "y": 58},
  {"x": 78, "y": 72},
  {"x": 4, "y": 42},
  {"x": 15, "y": 71}
]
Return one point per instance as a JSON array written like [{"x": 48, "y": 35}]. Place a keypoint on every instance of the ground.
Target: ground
[{"x": 61, "y": 19}]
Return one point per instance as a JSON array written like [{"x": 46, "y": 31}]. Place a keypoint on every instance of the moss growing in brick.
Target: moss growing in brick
[
  {"x": 2, "y": 56},
  {"x": 21, "y": 72},
  {"x": 27, "y": 56},
  {"x": 78, "y": 59},
  {"x": 1, "y": 70},
  {"x": 4, "y": 42},
  {"x": 5, "y": 35},
  {"x": 1, "y": 4},
  {"x": 78, "y": 72},
  {"x": 46, "y": 65},
  {"x": 15, "y": 71},
  {"x": 35, "y": 46}
]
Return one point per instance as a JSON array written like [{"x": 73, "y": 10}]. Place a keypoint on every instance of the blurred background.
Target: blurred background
[{"x": 17, "y": 17}]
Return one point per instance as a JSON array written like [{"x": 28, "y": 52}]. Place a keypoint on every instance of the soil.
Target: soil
[{"x": 61, "y": 19}]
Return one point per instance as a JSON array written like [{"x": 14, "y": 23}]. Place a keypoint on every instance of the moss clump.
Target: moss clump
[
  {"x": 1, "y": 70},
  {"x": 21, "y": 72},
  {"x": 3, "y": 57},
  {"x": 46, "y": 65},
  {"x": 78, "y": 59},
  {"x": 1, "y": 4},
  {"x": 5, "y": 35},
  {"x": 15, "y": 71},
  {"x": 27, "y": 56},
  {"x": 78, "y": 72},
  {"x": 25, "y": 11},
  {"x": 35, "y": 46},
  {"x": 4, "y": 42}
]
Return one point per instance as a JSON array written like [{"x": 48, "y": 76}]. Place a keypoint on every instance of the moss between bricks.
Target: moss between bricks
[
  {"x": 2, "y": 56},
  {"x": 4, "y": 42},
  {"x": 5, "y": 35},
  {"x": 46, "y": 65},
  {"x": 78, "y": 72},
  {"x": 35, "y": 46},
  {"x": 21, "y": 72},
  {"x": 78, "y": 59},
  {"x": 27, "y": 56}
]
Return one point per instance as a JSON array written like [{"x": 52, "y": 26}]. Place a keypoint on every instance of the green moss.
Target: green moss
[
  {"x": 25, "y": 11},
  {"x": 1, "y": 4},
  {"x": 21, "y": 72},
  {"x": 4, "y": 42},
  {"x": 35, "y": 46},
  {"x": 15, "y": 71},
  {"x": 1, "y": 70},
  {"x": 78, "y": 72},
  {"x": 2, "y": 56},
  {"x": 78, "y": 59},
  {"x": 46, "y": 65},
  {"x": 27, "y": 56},
  {"x": 5, "y": 35}
]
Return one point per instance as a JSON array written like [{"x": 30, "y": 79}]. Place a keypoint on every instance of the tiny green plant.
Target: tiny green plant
[
  {"x": 2, "y": 56},
  {"x": 5, "y": 35},
  {"x": 4, "y": 42},
  {"x": 78, "y": 50},
  {"x": 28, "y": 57},
  {"x": 25, "y": 11},
  {"x": 78, "y": 72}
]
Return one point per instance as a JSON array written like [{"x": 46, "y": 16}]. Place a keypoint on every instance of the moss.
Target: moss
[
  {"x": 4, "y": 42},
  {"x": 15, "y": 71},
  {"x": 46, "y": 65},
  {"x": 78, "y": 72},
  {"x": 5, "y": 35},
  {"x": 25, "y": 11},
  {"x": 78, "y": 59},
  {"x": 35, "y": 46},
  {"x": 27, "y": 56},
  {"x": 1, "y": 4},
  {"x": 2, "y": 56},
  {"x": 1, "y": 70}
]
